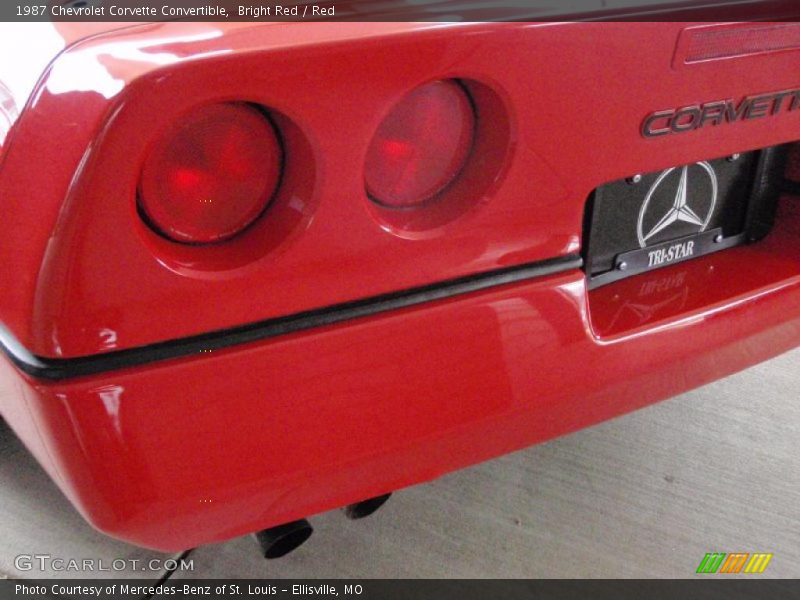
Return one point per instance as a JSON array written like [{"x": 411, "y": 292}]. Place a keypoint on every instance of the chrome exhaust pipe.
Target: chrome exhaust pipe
[{"x": 279, "y": 541}]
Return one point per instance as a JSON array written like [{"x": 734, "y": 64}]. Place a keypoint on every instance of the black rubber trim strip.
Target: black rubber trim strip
[{"x": 67, "y": 368}]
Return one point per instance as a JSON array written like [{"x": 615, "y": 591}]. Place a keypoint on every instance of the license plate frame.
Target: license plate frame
[{"x": 667, "y": 217}]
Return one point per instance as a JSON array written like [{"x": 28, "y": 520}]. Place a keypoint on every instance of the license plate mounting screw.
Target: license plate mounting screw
[{"x": 634, "y": 179}]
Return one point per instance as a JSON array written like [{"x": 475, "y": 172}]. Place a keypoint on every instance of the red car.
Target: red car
[{"x": 255, "y": 271}]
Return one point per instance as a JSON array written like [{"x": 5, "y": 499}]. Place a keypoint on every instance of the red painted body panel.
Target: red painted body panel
[
  {"x": 572, "y": 123},
  {"x": 275, "y": 431},
  {"x": 199, "y": 449}
]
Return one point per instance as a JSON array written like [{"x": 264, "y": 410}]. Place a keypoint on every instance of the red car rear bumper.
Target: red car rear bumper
[{"x": 193, "y": 450}]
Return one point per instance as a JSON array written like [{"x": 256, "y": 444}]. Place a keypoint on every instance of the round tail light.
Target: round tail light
[
  {"x": 421, "y": 146},
  {"x": 212, "y": 174}
]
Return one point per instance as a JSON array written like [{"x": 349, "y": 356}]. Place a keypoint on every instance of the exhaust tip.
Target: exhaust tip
[
  {"x": 283, "y": 539},
  {"x": 365, "y": 508}
]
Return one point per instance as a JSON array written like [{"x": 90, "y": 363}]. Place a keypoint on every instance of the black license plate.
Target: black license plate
[{"x": 658, "y": 219}]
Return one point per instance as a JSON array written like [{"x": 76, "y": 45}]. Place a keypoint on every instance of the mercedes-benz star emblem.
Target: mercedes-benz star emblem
[{"x": 684, "y": 208}]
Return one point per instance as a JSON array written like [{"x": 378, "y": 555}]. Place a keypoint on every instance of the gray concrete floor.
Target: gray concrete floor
[{"x": 645, "y": 495}]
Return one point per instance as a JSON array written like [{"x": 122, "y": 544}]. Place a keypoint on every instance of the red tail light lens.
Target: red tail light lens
[
  {"x": 211, "y": 175},
  {"x": 421, "y": 146}
]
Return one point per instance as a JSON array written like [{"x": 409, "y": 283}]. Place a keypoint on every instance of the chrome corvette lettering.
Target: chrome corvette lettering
[
  {"x": 667, "y": 255},
  {"x": 719, "y": 112}
]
